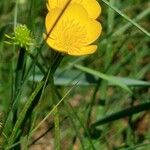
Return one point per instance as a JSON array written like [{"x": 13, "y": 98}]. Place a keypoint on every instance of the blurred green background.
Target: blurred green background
[{"x": 121, "y": 63}]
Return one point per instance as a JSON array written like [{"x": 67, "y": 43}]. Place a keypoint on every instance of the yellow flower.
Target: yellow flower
[
  {"x": 92, "y": 6},
  {"x": 74, "y": 32}
]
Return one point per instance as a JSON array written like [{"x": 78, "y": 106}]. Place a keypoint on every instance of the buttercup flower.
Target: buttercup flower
[{"x": 76, "y": 29}]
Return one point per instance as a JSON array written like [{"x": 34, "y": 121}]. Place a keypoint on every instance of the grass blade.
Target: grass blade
[
  {"x": 127, "y": 18},
  {"x": 109, "y": 78},
  {"x": 23, "y": 114},
  {"x": 123, "y": 113}
]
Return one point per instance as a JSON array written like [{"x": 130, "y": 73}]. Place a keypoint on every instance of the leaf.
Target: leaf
[
  {"x": 123, "y": 113},
  {"x": 132, "y": 82},
  {"x": 112, "y": 79},
  {"x": 23, "y": 114},
  {"x": 65, "y": 79}
]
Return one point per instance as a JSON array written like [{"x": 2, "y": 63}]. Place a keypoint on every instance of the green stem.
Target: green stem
[
  {"x": 54, "y": 65},
  {"x": 110, "y": 25},
  {"x": 19, "y": 70},
  {"x": 56, "y": 114}
]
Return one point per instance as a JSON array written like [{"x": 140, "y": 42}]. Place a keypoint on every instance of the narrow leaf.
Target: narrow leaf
[{"x": 109, "y": 78}]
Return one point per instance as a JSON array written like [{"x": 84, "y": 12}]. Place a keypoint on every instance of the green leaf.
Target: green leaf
[
  {"x": 23, "y": 114},
  {"x": 132, "y": 82},
  {"x": 123, "y": 113},
  {"x": 65, "y": 79},
  {"x": 111, "y": 79}
]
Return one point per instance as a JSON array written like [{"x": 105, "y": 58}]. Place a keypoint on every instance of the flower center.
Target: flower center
[{"x": 69, "y": 35}]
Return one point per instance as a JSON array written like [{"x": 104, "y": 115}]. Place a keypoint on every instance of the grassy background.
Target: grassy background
[{"x": 108, "y": 107}]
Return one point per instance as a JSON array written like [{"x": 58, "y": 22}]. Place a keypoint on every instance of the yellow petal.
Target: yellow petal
[
  {"x": 51, "y": 19},
  {"x": 93, "y": 29},
  {"x": 52, "y": 43},
  {"x": 73, "y": 12},
  {"x": 92, "y": 6},
  {"x": 76, "y": 12},
  {"x": 83, "y": 51},
  {"x": 53, "y": 4}
]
